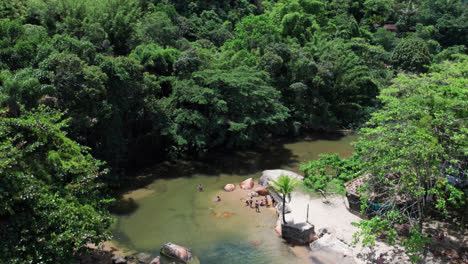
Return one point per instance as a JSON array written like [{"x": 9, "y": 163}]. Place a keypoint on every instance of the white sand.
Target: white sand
[{"x": 335, "y": 217}]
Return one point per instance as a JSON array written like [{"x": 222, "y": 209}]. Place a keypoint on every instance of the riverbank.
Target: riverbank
[{"x": 333, "y": 222}]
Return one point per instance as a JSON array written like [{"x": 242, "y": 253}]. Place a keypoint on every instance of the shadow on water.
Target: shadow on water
[
  {"x": 244, "y": 162},
  {"x": 121, "y": 236},
  {"x": 123, "y": 207}
]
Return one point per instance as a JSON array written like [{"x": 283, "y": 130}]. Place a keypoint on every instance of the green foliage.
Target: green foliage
[
  {"x": 151, "y": 80},
  {"x": 155, "y": 28},
  {"x": 79, "y": 88},
  {"x": 156, "y": 59},
  {"x": 385, "y": 38},
  {"x": 51, "y": 203},
  {"x": 217, "y": 107},
  {"x": 284, "y": 185},
  {"x": 411, "y": 54},
  {"x": 410, "y": 146},
  {"x": 330, "y": 172}
]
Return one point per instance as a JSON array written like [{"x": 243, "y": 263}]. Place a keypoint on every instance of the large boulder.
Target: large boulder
[
  {"x": 330, "y": 242},
  {"x": 262, "y": 191},
  {"x": 268, "y": 175},
  {"x": 179, "y": 253},
  {"x": 247, "y": 184},
  {"x": 229, "y": 187}
]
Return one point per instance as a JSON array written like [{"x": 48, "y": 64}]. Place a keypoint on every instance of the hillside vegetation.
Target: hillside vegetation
[{"x": 131, "y": 82}]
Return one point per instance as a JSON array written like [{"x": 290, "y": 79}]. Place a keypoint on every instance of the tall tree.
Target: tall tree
[
  {"x": 51, "y": 200},
  {"x": 284, "y": 185},
  {"x": 415, "y": 150}
]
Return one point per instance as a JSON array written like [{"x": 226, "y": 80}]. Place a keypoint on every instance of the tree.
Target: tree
[
  {"x": 224, "y": 108},
  {"x": 51, "y": 193},
  {"x": 155, "y": 58},
  {"x": 80, "y": 89},
  {"x": 415, "y": 151},
  {"x": 155, "y": 28},
  {"x": 284, "y": 185},
  {"x": 330, "y": 172},
  {"x": 411, "y": 54},
  {"x": 21, "y": 88}
]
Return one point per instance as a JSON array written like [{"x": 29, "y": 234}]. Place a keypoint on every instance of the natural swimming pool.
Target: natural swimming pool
[{"x": 173, "y": 210}]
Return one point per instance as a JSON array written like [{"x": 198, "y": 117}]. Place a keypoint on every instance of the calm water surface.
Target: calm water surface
[{"x": 172, "y": 209}]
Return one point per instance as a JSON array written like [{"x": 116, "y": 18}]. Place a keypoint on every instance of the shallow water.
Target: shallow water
[{"x": 173, "y": 210}]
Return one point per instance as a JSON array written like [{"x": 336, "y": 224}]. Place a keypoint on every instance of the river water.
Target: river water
[{"x": 173, "y": 210}]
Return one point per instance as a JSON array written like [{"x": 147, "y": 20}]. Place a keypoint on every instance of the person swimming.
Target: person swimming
[{"x": 218, "y": 199}]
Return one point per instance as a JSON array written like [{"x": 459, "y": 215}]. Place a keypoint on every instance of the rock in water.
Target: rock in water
[
  {"x": 254, "y": 194},
  {"x": 156, "y": 260},
  {"x": 116, "y": 259},
  {"x": 262, "y": 191},
  {"x": 229, "y": 187},
  {"x": 179, "y": 253},
  {"x": 247, "y": 184},
  {"x": 143, "y": 258},
  {"x": 268, "y": 175}
]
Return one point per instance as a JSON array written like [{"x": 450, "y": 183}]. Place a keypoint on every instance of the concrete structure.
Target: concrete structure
[{"x": 298, "y": 234}]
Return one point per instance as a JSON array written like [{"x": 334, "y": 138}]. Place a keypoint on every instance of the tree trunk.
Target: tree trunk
[{"x": 284, "y": 207}]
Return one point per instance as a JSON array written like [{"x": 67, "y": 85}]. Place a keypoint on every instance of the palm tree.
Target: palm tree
[{"x": 285, "y": 185}]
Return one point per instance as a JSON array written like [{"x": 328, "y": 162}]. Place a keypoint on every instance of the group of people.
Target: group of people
[
  {"x": 256, "y": 205},
  {"x": 249, "y": 202}
]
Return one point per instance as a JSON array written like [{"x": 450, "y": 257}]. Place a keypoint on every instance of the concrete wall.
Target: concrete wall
[{"x": 299, "y": 234}]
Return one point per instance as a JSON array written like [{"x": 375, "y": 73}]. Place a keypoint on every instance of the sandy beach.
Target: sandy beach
[{"x": 332, "y": 214}]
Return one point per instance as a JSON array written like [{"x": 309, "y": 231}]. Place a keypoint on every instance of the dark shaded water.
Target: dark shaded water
[{"x": 172, "y": 209}]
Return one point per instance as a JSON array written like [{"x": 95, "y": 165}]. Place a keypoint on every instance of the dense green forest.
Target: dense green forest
[{"x": 132, "y": 82}]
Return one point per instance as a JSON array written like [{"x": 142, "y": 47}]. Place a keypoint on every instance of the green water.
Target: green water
[{"x": 173, "y": 210}]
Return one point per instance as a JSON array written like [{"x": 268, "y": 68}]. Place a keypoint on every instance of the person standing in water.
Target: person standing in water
[
  {"x": 257, "y": 208},
  {"x": 200, "y": 188}
]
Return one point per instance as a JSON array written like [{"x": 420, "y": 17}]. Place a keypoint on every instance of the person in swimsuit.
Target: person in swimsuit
[
  {"x": 257, "y": 208},
  {"x": 218, "y": 199},
  {"x": 250, "y": 201},
  {"x": 262, "y": 203},
  {"x": 247, "y": 203},
  {"x": 200, "y": 188}
]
